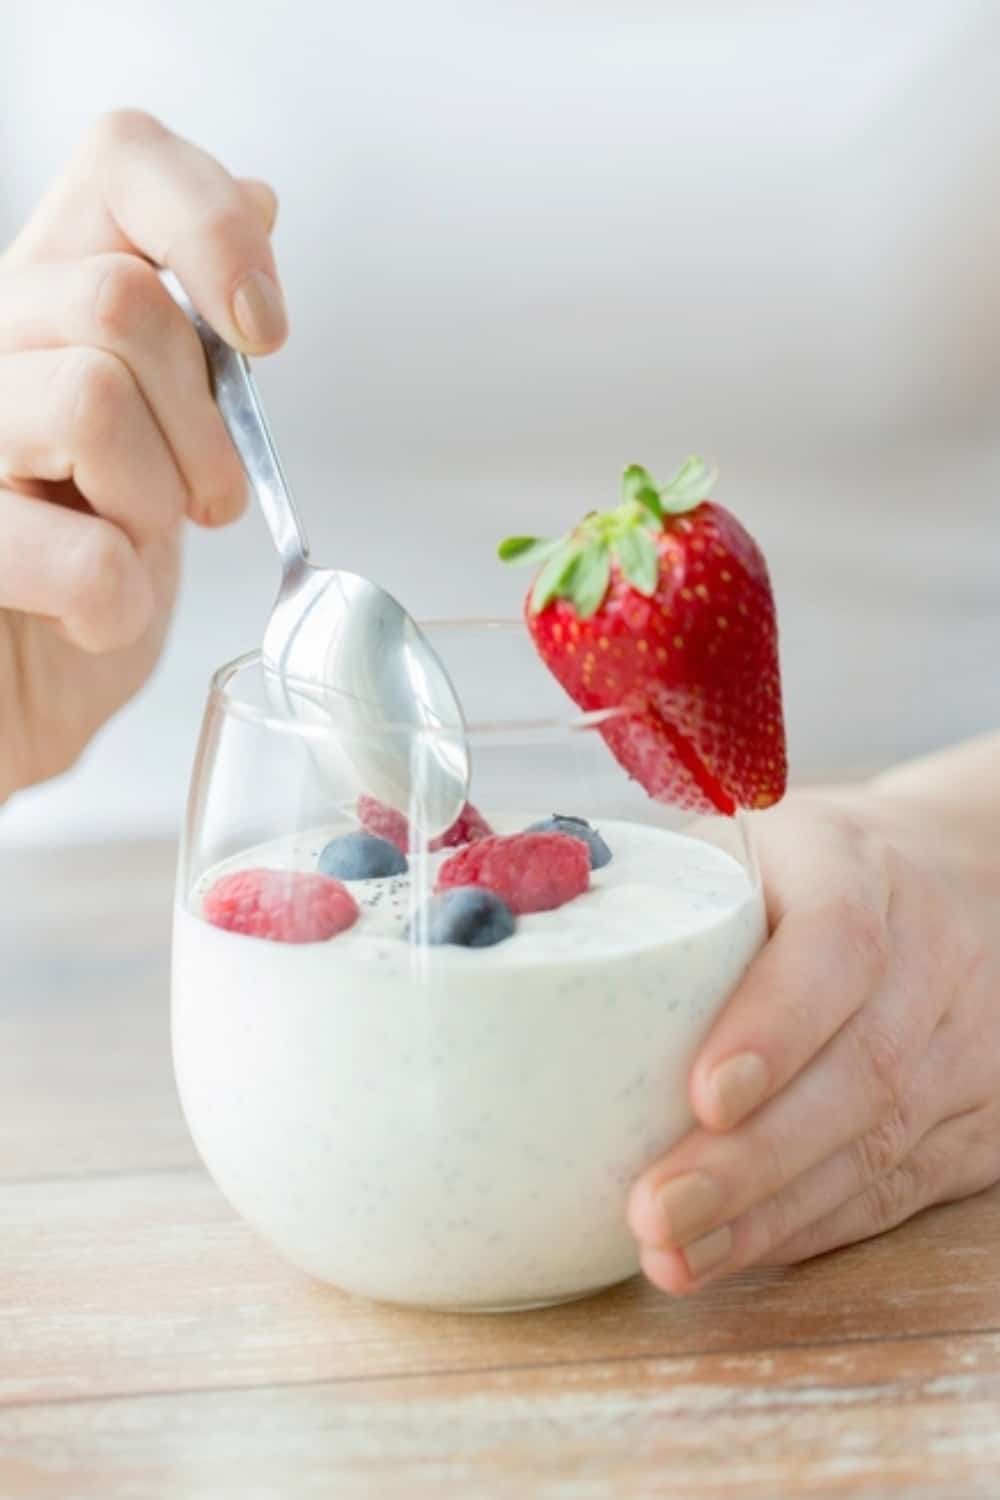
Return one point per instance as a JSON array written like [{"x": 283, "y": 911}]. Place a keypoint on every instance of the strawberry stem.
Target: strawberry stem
[{"x": 577, "y": 567}]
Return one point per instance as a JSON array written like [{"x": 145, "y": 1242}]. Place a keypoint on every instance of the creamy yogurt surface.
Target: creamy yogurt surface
[{"x": 449, "y": 1126}]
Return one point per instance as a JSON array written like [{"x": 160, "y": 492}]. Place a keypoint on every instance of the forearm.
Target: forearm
[
  {"x": 957, "y": 789},
  {"x": 965, "y": 778},
  {"x": 946, "y": 804},
  {"x": 948, "y": 801}
]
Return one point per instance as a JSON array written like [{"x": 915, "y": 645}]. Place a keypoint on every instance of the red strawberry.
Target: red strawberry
[
  {"x": 528, "y": 871},
  {"x": 662, "y": 609},
  {"x": 286, "y": 906},
  {"x": 389, "y": 824}
]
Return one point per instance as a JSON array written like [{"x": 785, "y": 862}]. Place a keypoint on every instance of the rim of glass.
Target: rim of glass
[{"x": 222, "y": 697}]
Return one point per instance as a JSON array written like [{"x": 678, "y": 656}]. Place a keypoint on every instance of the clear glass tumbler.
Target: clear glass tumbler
[{"x": 434, "y": 1124}]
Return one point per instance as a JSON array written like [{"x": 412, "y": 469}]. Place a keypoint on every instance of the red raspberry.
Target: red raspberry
[
  {"x": 384, "y": 822},
  {"x": 468, "y": 828},
  {"x": 389, "y": 824},
  {"x": 286, "y": 906},
  {"x": 529, "y": 871}
]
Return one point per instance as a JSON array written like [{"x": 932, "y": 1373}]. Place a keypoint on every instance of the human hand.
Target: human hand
[
  {"x": 109, "y": 436},
  {"x": 874, "y": 1017}
]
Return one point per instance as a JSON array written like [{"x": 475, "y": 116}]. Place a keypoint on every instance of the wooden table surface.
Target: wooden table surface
[{"x": 151, "y": 1348}]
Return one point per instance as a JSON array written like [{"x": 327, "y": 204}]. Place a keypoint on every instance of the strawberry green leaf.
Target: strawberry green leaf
[
  {"x": 523, "y": 550},
  {"x": 554, "y": 577},
  {"x": 637, "y": 484},
  {"x": 636, "y": 478},
  {"x": 651, "y": 500},
  {"x": 639, "y": 560},
  {"x": 589, "y": 581},
  {"x": 689, "y": 486}
]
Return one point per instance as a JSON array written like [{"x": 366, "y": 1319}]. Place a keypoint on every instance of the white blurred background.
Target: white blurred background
[{"x": 525, "y": 242}]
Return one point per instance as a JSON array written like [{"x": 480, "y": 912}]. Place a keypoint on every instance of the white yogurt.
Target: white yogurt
[{"x": 459, "y": 1127}]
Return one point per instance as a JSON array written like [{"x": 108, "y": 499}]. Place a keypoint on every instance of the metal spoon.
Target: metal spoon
[{"x": 338, "y": 648}]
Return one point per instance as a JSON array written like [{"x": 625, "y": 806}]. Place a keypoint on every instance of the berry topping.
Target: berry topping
[
  {"x": 577, "y": 828},
  {"x": 469, "y": 916},
  {"x": 469, "y": 826},
  {"x": 529, "y": 871},
  {"x": 384, "y": 822},
  {"x": 662, "y": 609},
  {"x": 389, "y": 824},
  {"x": 286, "y": 906},
  {"x": 362, "y": 856}
]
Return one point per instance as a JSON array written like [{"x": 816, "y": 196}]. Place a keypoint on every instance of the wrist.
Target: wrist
[{"x": 943, "y": 807}]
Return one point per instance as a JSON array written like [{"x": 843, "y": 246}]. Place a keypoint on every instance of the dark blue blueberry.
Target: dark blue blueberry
[
  {"x": 467, "y": 915},
  {"x": 361, "y": 856},
  {"x": 577, "y": 828}
]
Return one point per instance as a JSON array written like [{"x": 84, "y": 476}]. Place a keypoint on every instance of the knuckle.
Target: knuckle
[
  {"x": 881, "y": 1149},
  {"x": 896, "y": 1195},
  {"x": 879, "y": 1058},
  {"x": 265, "y": 202},
  {"x": 126, "y": 294},
  {"x": 850, "y": 827},
  {"x": 802, "y": 1241},
  {"x": 98, "y": 388},
  {"x": 770, "y": 1154},
  {"x": 886, "y": 1071},
  {"x": 101, "y": 571},
  {"x": 218, "y": 503},
  {"x": 775, "y": 1222},
  {"x": 880, "y": 1062},
  {"x": 119, "y": 127},
  {"x": 862, "y": 922},
  {"x": 217, "y": 230},
  {"x": 868, "y": 848}
]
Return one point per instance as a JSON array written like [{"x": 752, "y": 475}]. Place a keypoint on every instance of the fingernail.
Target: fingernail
[
  {"x": 708, "y": 1252},
  {"x": 687, "y": 1206},
  {"x": 259, "y": 309},
  {"x": 736, "y": 1088}
]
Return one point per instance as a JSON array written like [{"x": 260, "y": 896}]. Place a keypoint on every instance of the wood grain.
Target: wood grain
[
  {"x": 906, "y": 1415},
  {"x": 85, "y": 1076},
  {"x": 150, "y": 1283},
  {"x": 152, "y": 1346}
]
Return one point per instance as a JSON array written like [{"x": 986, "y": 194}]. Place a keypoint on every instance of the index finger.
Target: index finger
[
  {"x": 815, "y": 973},
  {"x": 134, "y": 185},
  {"x": 828, "y": 951}
]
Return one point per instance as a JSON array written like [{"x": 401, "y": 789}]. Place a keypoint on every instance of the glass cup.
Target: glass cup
[{"x": 429, "y": 1123}]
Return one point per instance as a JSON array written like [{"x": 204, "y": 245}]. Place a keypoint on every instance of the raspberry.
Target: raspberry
[
  {"x": 384, "y": 822},
  {"x": 468, "y": 827},
  {"x": 529, "y": 871},
  {"x": 389, "y": 824},
  {"x": 579, "y": 828},
  {"x": 283, "y": 905}
]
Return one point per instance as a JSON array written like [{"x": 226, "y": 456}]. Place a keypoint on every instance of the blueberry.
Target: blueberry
[
  {"x": 577, "y": 828},
  {"x": 467, "y": 915},
  {"x": 361, "y": 856}
]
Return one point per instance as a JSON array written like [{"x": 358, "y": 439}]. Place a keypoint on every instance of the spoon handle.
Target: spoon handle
[{"x": 241, "y": 410}]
